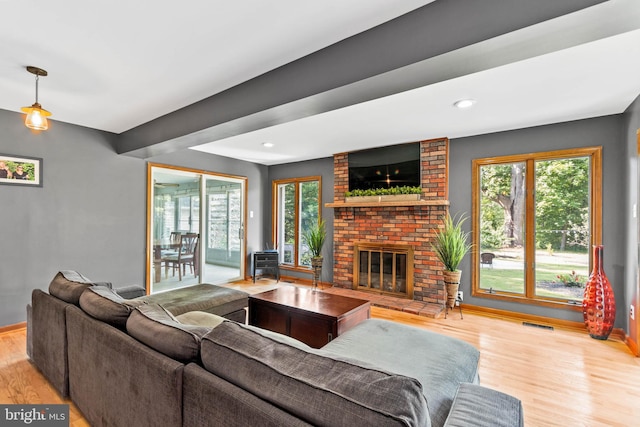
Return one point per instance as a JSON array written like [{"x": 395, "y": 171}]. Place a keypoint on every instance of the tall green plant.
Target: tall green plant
[
  {"x": 314, "y": 238},
  {"x": 451, "y": 243}
]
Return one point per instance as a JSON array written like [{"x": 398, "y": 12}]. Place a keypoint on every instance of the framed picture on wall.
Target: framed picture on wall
[{"x": 20, "y": 170}]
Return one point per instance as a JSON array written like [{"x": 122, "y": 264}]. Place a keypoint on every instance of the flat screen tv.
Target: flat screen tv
[{"x": 385, "y": 167}]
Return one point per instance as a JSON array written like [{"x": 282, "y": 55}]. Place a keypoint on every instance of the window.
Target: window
[
  {"x": 296, "y": 209},
  {"x": 536, "y": 217},
  {"x": 225, "y": 220},
  {"x": 188, "y": 214}
]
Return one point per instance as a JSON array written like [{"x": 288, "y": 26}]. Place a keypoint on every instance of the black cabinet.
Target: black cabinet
[{"x": 266, "y": 260}]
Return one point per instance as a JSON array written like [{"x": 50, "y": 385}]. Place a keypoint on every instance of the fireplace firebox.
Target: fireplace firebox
[{"x": 387, "y": 269}]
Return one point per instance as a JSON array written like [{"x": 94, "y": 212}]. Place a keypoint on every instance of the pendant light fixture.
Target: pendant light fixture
[{"x": 36, "y": 115}]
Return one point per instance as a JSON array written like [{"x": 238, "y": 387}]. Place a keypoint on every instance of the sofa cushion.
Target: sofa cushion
[
  {"x": 213, "y": 299},
  {"x": 199, "y": 318},
  {"x": 104, "y": 304},
  {"x": 154, "y": 326},
  {"x": 439, "y": 362},
  {"x": 477, "y": 406},
  {"x": 131, "y": 291},
  {"x": 310, "y": 385},
  {"x": 68, "y": 285}
]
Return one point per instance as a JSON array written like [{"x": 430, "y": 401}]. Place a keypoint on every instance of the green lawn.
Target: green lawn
[{"x": 512, "y": 279}]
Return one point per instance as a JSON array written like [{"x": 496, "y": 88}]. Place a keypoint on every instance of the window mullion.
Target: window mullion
[
  {"x": 530, "y": 221},
  {"x": 296, "y": 215}
]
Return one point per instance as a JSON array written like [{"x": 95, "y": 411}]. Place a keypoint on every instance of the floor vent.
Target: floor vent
[{"x": 535, "y": 325}]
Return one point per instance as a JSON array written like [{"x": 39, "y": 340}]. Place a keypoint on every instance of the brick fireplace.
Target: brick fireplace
[{"x": 392, "y": 224}]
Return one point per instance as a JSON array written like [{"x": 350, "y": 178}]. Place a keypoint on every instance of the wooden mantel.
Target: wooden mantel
[{"x": 387, "y": 203}]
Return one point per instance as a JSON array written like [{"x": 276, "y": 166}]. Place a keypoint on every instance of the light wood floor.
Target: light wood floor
[{"x": 563, "y": 377}]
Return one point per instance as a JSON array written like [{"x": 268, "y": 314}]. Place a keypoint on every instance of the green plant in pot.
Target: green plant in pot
[
  {"x": 314, "y": 238},
  {"x": 451, "y": 245},
  {"x": 393, "y": 191}
]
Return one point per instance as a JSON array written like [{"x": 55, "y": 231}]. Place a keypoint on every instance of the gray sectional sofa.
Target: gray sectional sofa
[
  {"x": 137, "y": 362},
  {"x": 47, "y": 321}
]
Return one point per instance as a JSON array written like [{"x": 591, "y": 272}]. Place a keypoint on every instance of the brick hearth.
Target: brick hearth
[
  {"x": 412, "y": 224},
  {"x": 419, "y": 308}
]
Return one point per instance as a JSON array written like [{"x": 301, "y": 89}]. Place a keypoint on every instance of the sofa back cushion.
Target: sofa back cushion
[
  {"x": 154, "y": 326},
  {"x": 310, "y": 385},
  {"x": 104, "y": 304},
  {"x": 68, "y": 285}
]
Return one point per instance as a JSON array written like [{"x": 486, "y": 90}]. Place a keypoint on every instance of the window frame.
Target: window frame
[
  {"x": 595, "y": 212},
  {"x": 189, "y": 220},
  {"x": 274, "y": 215}
]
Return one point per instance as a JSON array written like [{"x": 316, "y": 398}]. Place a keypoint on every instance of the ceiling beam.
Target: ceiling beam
[{"x": 390, "y": 58}]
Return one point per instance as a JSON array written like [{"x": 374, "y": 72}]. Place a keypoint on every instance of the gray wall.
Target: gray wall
[
  {"x": 90, "y": 215},
  {"x": 318, "y": 167},
  {"x": 605, "y": 132},
  {"x": 631, "y": 124}
]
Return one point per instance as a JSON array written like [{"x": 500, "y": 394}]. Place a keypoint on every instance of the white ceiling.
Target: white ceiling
[{"x": 115, "y": 65}]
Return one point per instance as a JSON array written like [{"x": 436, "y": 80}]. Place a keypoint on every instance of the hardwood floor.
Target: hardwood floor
[
  {"x": 21, "y": 382},
  {"x": 563, "y": 377}
]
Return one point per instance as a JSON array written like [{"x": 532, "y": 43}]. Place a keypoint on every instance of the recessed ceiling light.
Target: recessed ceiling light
[
  {"x": 267, "y": 144},
  {"x": 464, "y": 103}
]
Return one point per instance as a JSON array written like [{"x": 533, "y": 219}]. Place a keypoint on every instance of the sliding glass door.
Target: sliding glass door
[
  {"x": 184, "y": 203},
  {"x": 224, "y": 234}
]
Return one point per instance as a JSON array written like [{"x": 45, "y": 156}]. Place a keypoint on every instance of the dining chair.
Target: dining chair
[{"x": 183, "y": 257}]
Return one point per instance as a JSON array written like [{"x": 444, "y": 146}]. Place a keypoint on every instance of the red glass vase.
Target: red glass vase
[{"x": 598, "y": 304}]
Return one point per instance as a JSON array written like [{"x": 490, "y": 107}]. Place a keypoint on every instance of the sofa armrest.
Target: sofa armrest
[
  {"x": 478, "y": 406},
  {"x": 131, "y": 291},
  {"x": 48, "y": 333},
  {"x": 115, "y": 380}
]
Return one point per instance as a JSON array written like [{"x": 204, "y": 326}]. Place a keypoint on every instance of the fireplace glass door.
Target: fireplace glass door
[{"x": 384, "y": 269}]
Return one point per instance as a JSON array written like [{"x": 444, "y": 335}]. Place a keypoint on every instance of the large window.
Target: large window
[
  {"x": 225, "y": 220},
  {"x": 536, "y": 217},
  {"x": 188, "y": 214},
  {"x": 296, "y": 209}
]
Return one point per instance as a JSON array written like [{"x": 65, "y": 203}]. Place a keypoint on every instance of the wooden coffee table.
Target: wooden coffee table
[{"x": 313, "y": 317}]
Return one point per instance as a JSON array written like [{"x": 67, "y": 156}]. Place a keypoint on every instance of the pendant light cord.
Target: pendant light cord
[{"x": 37, "y": 78}]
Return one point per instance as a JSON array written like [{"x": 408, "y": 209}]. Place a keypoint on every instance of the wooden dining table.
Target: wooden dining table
[{"x": 157, "y": 257}]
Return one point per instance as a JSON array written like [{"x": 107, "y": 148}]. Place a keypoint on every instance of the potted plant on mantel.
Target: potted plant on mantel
[
  {"x": 314, "y": 238},
  {"x": 451, "y": 246},
  {"x": 383, "y": 194}
]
